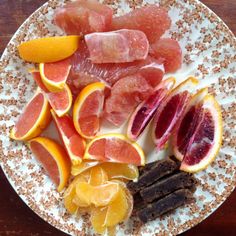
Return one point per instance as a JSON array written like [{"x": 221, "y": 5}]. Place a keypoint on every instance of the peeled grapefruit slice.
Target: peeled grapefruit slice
[
  {"x": 50, "y": 49},
  {"x": 73, "y": 142},
  {"x": 206, "y": 139},
  {"x": 114, "y": 148},
  {"x": 54, "y": 75},
  {"x": 33, "y": 120},
  {"x": 53, "y": 158},
  {"x": 83, "y": 16},
  {"x": 169, "y": 50},
  {"x": 126, "y": 94},
  {"x": 117, "y": 46},
  {"x": 87, "y": 110},
  {"x": 144, "y": 112},
  {"x": 151, "y": 19},
  {"x": 187, "y": 124},
  {"x": 170, "y": 112}
]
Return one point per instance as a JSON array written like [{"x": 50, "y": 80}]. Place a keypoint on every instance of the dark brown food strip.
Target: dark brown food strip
[
  {"x": 164, "y": 205},
  {"x": 167, "y": 185},
  {"x": 138, "y": 202},
  {"x": 157, "y": 171}
]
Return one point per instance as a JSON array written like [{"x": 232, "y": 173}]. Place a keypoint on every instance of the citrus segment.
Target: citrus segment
[
  {"x": 48, "y": 49},
  {"x": 33, "y": 120},
  {"x": 85, "y": 165},
  {"x": 115, "y": 148},
  {"x": 87, "y": 110},
  {"x": 98, "y": 195},
  {"x": 53, "y": 158},
  {"x": 73, "y": 142},
  {"x": 98, "y": 216},
  {"x": 37, "y": 78},
  {"x": 187, "y": 124},
  {"x": 205, "y": 142},
  {"x": 54, "y": 75},
  {"x": 69, "y": 196},
  {"x": 98, "y": 176}
]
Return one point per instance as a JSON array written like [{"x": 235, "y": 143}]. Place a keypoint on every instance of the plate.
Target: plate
[{"x": 209, "y": 50}]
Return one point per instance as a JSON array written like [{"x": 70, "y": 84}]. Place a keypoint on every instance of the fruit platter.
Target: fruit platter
[{"x": 118, "y": 117}]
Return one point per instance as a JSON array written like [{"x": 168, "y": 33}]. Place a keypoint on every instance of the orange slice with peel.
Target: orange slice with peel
[
  {"x": 33, "y": 120},
  {"x": 49, "y": 49},
  {"x": 73, "y": 142},
  {"x": 53, "y": 158},
  {"x": 186, "y": 125},
  {"x": 170, "y": 111},
  {"x": 205, "y": 141},
  {"x": 54, "y": 75},
  {"x": 87, "y": 110},
  {"x": 115, "y": 148}
]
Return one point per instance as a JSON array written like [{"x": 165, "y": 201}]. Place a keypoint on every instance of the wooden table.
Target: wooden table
[{"x": 16, "y": 218}]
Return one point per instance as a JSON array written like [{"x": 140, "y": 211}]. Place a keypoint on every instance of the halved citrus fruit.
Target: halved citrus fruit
[
  {"x": 50, "y": 49},
  {"x": 87, "y": 110},
  {"x": 187, "y": 125},
  {"x": 144, "y": 112},
  {"x": 170, "y": 112},
  {"x": 33, "y": 120},
  {"x": 54, "y": 75},
  {"x": 115, "y": 148},
  {"x": 206, "y": 139},
  {"x": 100, "y": 195},
  {"x": 53, "y": 158},
  {"x": 73, "y": 142}
]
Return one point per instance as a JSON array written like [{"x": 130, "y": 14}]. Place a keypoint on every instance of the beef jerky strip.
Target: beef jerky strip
[
  {"x": 167, "y": 185},
  {"x": 164, "y": 205},
  {"x": 157, "y": 171}
]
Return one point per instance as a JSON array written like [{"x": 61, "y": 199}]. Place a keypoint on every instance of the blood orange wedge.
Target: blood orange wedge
[
  {"x": 144, "y": 112},
  {"x": 73, "y": 142},
  {"x": 170, "y": 112},
  {"x": 54, "y": 75},
  {"x": 33, "y": 120},
  {"x": 115, "y": 148},
  {"x": 87, "y": 110},
  {"x": 187, "y": 125},
  {"x": 169, "y": 50},
  {"x": 206, "y": 139},
  {"x": 49, "y": 49},
  {"x": 151, "y": 19},
  {"x": 53, "y": 158}
]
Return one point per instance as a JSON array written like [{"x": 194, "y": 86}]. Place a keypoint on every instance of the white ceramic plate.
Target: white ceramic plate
[{"x": 209, "y": 50}]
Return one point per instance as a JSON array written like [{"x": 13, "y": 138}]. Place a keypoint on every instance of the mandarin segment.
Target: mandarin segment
[{"x": 98, "y": 176}]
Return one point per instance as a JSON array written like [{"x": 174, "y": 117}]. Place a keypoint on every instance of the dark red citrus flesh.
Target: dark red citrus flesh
[
  {"x": 47, "y": 161},
  {"x": 30, "y": 115},
  {"x": 89, "y": 113},
  {"x": 66, "y": 127},
  {"x": 115, "y": 150},
  {"x": 169, "y": 116},
  {"x": 57, "y": 71},
  {"x": 146, "y": 112}
]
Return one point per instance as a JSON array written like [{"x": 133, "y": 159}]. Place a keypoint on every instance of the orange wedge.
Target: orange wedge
[
  {"x": 53, "y": 158},
  {"x": 33, "y": 120},
  {"x": 115, "y": 148},
  {"x": 87, "y": 110},
  {"x": 54, "y": 75},
  {"x": 49, "y": 49}
]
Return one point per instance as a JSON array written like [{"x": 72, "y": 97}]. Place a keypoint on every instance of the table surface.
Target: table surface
[{"x": 16, "y": 218}]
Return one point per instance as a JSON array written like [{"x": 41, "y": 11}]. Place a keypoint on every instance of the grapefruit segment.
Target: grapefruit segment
[
  {"x": 53, "y": 158},
  {"x": 144, "y": 112},
  {"x": 187, "y": 124},
  {"x": 33, "y": 120},
  {"x": 170, "y": 112},
  {"x": 206, "y": 140},
  {"x": 114, "y": 148},
  {"x": 87, "y": 110},
  {"x": 151, "y": 19},
  {"x": 54, "y": 75},
  {"x": 73, "y": 142},
  {"x": 50, "y": 49},
  {"x": 117, "y": 46},
  {"x": 83, "y": 17},
  {"x": 37, "y": 78}
]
